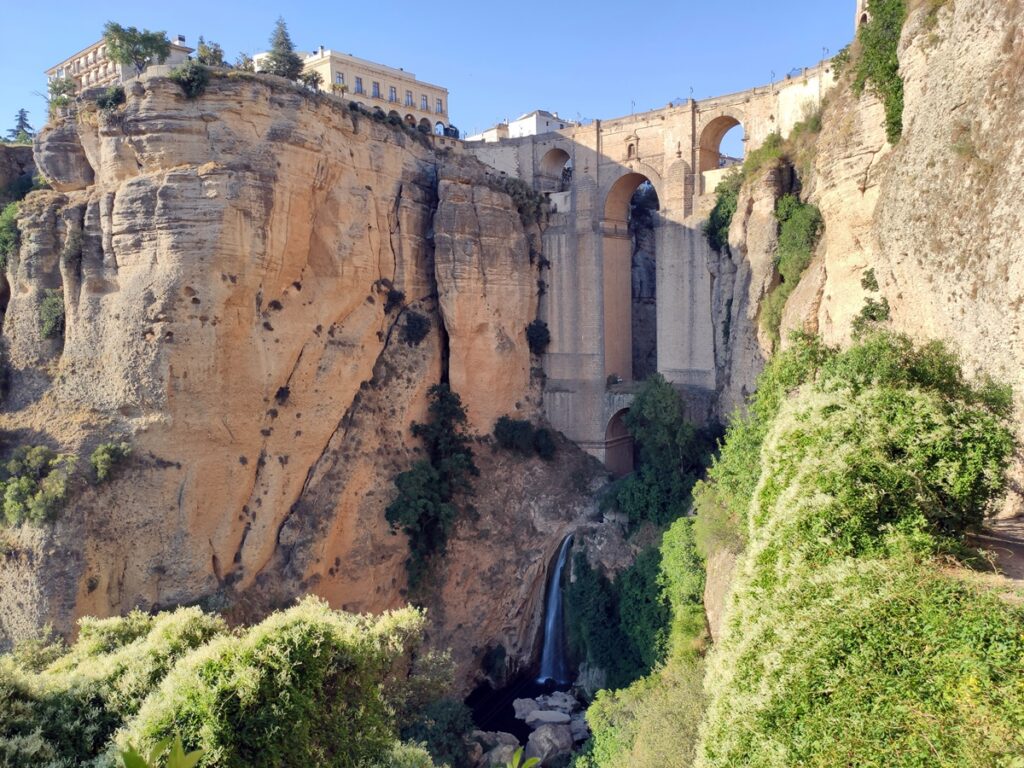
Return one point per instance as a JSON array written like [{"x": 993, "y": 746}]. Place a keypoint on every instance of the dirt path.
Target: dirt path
[{"x": 1005, "y": 539}]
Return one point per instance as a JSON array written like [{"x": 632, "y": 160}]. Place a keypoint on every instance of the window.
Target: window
[
  {"x": 440, "y": 107},
  {"x": 339, "y": 78},
  {"x": 376, "y": 90},
  {"x": 408, "y": 98},
  {"x": 359, "y": 85},
  {"x": 423, "y": 103},
  {"x": 392, "y": 93}
]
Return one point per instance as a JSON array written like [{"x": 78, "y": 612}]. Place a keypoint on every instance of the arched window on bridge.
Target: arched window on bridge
[
  {"x": 555, "y": 171},
  {"x": 721, "y": 148},
  {"x": 618, "y": 446}
]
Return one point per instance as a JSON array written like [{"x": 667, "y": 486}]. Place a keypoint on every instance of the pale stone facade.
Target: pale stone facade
[
  {"x": 588, "y": 302},
  {"x": 531, "y": 124},
  {"x": 376, "y": 86},
  {"x": 90, "y": 67}
]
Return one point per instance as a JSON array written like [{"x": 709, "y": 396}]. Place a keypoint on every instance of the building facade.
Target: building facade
[
  {"x": 376, "y": 86},
  {"x": 534, "y": 123},
  {"x": 90, "y": 67}
]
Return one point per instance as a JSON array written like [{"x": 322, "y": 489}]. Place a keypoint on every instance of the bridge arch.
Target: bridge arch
[
  {"x": 710, "y": 143},
  {"x": 618, "y": 445},
  {"x": 555, "y": 170},
  {"x": 629, "y": 277}
]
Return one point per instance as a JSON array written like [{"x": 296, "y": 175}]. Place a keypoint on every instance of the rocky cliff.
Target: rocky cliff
[
  {"x": 936, "y": 216},
  {"x": 239, "y": 274}
]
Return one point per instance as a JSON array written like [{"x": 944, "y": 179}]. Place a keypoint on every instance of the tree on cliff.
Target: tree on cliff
[
  {"x": 210, "y": 54},
  {"x": 22, "y": 132},
  {"x": 127, "y": 45},
  {"x": 282, "y": 59}
]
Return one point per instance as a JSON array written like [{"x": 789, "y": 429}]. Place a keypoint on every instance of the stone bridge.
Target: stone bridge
[{"x": 591, "y": 174}]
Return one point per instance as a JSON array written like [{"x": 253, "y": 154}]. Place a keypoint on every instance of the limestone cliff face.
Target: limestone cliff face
[
  {"x": 937, "y": 217},
  {"x": 17, "y": 169},
  {"x": 225, "y": 265}
]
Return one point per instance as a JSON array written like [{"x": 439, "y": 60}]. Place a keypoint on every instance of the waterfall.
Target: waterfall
[{"x": 553, "y": 664}]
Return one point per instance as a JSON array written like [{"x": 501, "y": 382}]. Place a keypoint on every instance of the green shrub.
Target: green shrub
[
  {"x": 303, "y": 685},
  {"x": 106, "y": 457},
  {"x": 416, "y": 328},
  {"x": 672, "y": 455},
  {"x": 644, "y": 609},
  {"x": 173, "y": 751},
  {"x": 800, "y": 227},
  {"x": 878, "y": 63},
  {"x": 192, "y": 77},
  {"x": 35, "y": 484},
  {"x": 514, "y": 434},
  {"x": 441, "y": 727},
  {"x": 111, "y": 98},
  {"x": 423, "y": 508},
  {"x": 51, "y": 313},
  {"x": 538, "y": 337},
  {"x": 871, "y": 314},
  {"x": 10, "y": 238},
  {"x": 544, "y": 444},
  {"x": 67, "y": 712},
  {"x": 394, "y": 301},
  {"x": 851, "y": 472},
  {"x": 726, "y": 198}
]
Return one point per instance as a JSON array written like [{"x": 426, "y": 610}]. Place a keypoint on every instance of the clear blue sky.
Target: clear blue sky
[{"x": 586, "y": 58}]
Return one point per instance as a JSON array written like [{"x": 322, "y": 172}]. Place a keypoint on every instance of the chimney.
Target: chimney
[
  {"x": 180, "y": 40},
  {"x": 321, "y": 50}
]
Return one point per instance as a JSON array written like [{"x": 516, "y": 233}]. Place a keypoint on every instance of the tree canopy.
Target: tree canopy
[
  {"x": 128, "y": 45},
  {"x": 22, "y": 132},
  {"x": 282, "y": 59}
]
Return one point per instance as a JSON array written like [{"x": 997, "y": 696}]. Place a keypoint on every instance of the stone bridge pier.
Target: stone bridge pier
[{"x": 590, "y": 174}]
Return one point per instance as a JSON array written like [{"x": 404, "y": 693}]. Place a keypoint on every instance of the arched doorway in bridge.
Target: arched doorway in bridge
[
  {"x": 721, "y": 147},
  {"x": 618, "y": 446},
  {"x": 424, "y": 125},
  {"x": 439, "y": 128},
  {"x": 630, "y": 287},
  {"x": 555, "y": 171},
  {"x": 410, "y": 121}
]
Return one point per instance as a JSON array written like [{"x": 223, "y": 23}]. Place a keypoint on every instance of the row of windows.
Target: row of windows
[{"x": 339, "y": 79}]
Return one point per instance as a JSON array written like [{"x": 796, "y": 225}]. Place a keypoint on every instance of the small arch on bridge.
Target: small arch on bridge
[
  {"x": 439, "y": 128},
  {"x": 618, "y": 446},
  {"x": 410, "y": 121},
  {"x": 424, "y": 125},
  {"x": 555, "y": 171},
  {"x": 711, "y": 138}
]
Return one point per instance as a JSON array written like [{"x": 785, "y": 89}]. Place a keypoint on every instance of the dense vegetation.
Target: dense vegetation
[
  {"x": 424, "y": 508},
  {"x": 876, "y": 62},
  {"x": 9, "y": 234},
  {"x": 800, "y": 226},
  {"x": 521, "y": 436},
  {"x": 309, "y": 686},
  {"x": 849, "y": 638},
  {"x": 627, "y": 627},
  {"x": 34, "y": 484}
]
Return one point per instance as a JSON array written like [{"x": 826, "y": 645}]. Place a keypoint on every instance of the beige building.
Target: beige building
[
  {"x": 90, "y": 67},
  {"x": 531, "y": 124},
  {"x": 376, "y": 86}
]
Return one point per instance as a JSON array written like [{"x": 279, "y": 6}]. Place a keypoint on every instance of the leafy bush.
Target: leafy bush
[
  {"x": 416, "y": 328},
  {"x": 9, "y": 236},
  {"x": 67, "y": 712},
  {"x": 538, "y": 337},
  {"x": 175, "y": 753},
  {"x": 51, "y": 314},
  {"x": 61, "y": 92},
  {"x": 800, "y": 227},
  {"x": 726, "y": 198},
  {"x": 440, "y": 727},
  {"x": 192, "y": 77},
  {"x": 850, "y": 473},
  {"x": 871, "y": 314},
  {"x": 111, "y": 98},
  {"x": 394, "y": 301},
  {"x": 423, "y": 508},
  {"x": 303, "y": 685},
  {"x": 35, "y": 484},
  {"x": 544, "y": 444},
  {"x": 672, "y": 455},
  {"x": 514, "y": 434},
  {"x": 106, "y": 457},
  {"x": 878, "y": 63}
]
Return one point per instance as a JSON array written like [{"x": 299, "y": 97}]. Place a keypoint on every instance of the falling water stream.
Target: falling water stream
[{"x": 553, "y": 663}]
